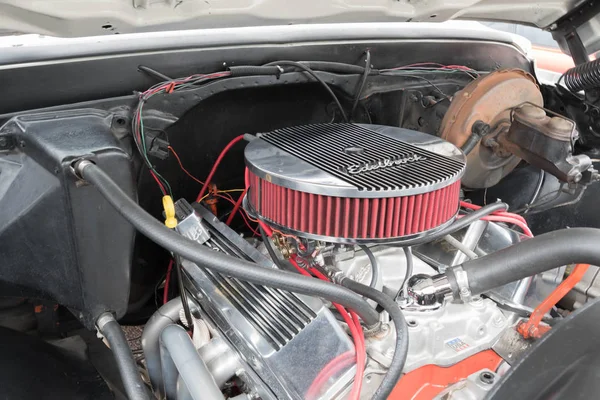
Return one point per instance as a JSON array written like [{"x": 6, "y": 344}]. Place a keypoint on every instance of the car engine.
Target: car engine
[
  {"x": 356, "y": 226},
  {"x": 366, "y": 203}
]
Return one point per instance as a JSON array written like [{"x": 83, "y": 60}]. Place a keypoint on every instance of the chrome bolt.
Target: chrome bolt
[
  {"x": 487, "y": 377},
  {"x": 498, "y": 320}
]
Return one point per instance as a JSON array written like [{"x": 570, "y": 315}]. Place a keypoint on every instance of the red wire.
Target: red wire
[
  {"x": 216, "y": 165},
  {"x": 438, "y": 65},
  {"x": 162, "y": 188},
  {"x": 150, "y": 92},
  {"x": 242, "y": 214},
  {"x": 359, "y": 344},
  {"x": 421, "y": 64},
  {"x": 167, "y": 280},
  {"x": 239, "y": 202},
  {"x": 332, "y": 368},
  {"x": 236, "y": 207},
  {"x": 471, "y": 206},
  {"x": 182, "y": 167},
  {"x": 357, "y": 336},
  {"x": 301, "y": 270},
  {"x": 337, "y": 363},
  {"x": 509, "y": 220},
  {"x": 361, "y": 357},
  {"x": 501, "y": 218}
]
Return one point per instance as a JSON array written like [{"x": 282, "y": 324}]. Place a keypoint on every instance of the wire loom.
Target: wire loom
[
  {"x": 583, "y": 77},
  {"x": 194, "y": 81}
]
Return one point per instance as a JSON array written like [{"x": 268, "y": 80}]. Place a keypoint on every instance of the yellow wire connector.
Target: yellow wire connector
[{"x": 170, "y": 220}]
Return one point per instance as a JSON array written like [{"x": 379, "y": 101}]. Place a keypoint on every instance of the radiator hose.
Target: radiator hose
[
  {"x": 220, "y": 262},
  {"x": 530, "y": 257}
]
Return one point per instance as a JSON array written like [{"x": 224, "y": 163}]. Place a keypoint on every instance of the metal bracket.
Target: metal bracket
[{"x": 462, "y": 281}]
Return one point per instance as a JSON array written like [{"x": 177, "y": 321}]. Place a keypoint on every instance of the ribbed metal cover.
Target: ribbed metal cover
[
  {"x": 279, "y": 316},
  {"x": 283, "y": 339},
  {"x": 365, "y": 158},
  {"x": 352, "y": 183}
]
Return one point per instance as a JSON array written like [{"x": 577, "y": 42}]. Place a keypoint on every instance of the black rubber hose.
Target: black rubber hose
[
  {"x": 470, "y": 144},
  {"x": 459, "y": 224},
  {"x": 362, "y": 83},
  {"x": 339, "y": 68},
  {"x": 270, "y": 69},
  {"x": 130, "y": 375},
  {"x": 409, "y": 270},
  {"x": 182, "y": 292},
  {"x": 154, "y": 73},
  {"x": 394, "y": 372},
  {"x": 253, "y": 70},
  {"x": 374, "y": 265},
  {"x": 531, "y": 257},
  {"x": 583, "y": 76},
  {"x": 309, "y": 71},
  {"x": 309, "y": 249},
  {"x": 222, "y": 263}
]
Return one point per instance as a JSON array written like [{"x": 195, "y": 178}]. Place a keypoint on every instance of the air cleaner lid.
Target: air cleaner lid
[{"x": 350, "y": 160}]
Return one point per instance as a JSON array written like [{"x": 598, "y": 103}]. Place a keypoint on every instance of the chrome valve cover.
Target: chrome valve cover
[{"x": 283, "y": 339}]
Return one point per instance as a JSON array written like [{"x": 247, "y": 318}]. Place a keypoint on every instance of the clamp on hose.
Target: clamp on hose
[{"x": 78, "y": 165}]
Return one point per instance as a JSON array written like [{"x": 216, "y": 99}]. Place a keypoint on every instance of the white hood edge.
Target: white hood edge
[{"x": 78, "y": 18}]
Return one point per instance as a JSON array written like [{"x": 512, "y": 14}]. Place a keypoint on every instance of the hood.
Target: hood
[{"x": 76, "y": 18}]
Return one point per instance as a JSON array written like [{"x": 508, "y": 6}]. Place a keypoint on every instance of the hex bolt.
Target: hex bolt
[
  {"x": 481, "y": 330},
  {"x": 480, "y": 128},
  {"x": 487, "y": 377},
  {"x": 498, "y": 321}
]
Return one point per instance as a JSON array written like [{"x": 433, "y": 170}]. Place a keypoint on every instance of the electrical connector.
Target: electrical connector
[{"x": 169, "y": 207}]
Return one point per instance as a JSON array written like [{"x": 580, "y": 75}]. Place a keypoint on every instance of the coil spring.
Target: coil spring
[{"x": 584, "y": 76}]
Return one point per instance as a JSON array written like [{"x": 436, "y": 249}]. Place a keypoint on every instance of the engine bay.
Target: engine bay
[{"x": 356, "y": 226}]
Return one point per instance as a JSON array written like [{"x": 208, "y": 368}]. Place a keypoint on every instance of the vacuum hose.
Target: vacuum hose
[
  {"x": 456, "y": 226},
  {"x": 533, "y": 256},
  {"x": 130, "y": 375},
  {"x": 220, "y": 262},
  {"x": 394, "y": 372}
]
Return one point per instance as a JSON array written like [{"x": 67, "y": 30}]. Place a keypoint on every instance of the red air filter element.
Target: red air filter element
[
  {"x": 351, "y": 183},
  {"x": 353, "y": 218}
]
